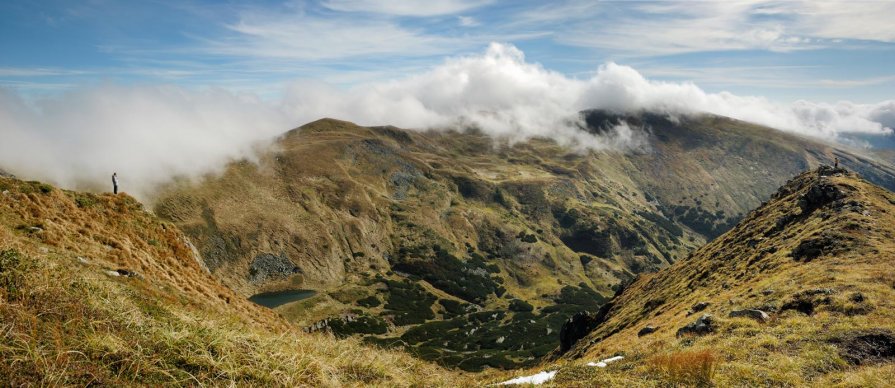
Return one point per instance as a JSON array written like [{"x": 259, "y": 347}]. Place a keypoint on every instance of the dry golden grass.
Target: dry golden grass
[
  {"x": 855, "y": 287},
  {"x": 688, "y": 368},
  {"x": 65, "y": 321}
]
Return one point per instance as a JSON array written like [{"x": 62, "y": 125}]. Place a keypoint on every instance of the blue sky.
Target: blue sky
[
  {"x": 784, "y": 51},
  {"x": 160, "y": 88}
]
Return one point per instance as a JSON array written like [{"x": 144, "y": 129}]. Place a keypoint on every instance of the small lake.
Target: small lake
[{"x": 278, "y": 298}]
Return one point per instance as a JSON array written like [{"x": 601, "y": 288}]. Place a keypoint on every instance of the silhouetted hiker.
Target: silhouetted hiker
[
  {"x": 836, "y": 163},
  {"x": 115, "y": 182}
]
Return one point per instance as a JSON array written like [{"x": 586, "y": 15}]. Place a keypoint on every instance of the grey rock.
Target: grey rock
[
  {"x": 757, "y": 315},
  {"x": 702, "y": 326},
  {"x": 819, "y": 195},
  {"x": 267, "y": 266},
  {"x": 127, "y": 273},
  {"x": 648, "y": 329}
]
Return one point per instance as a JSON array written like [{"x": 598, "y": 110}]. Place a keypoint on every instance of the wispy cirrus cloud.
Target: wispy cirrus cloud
[
  {"x": 664, "y": 28},
  {"x": 310, "y": 38},
  {"x": 406, "y": 7}
]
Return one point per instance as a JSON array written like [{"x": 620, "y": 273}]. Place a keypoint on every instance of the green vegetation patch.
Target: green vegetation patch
[
  {"x": 470, "y": 281},
  {"x": 369, "y": 302},
  {"x": 408, "y": 303},
  {"x": 358, "y": 324},
  {"x": 474, "y": 340}
]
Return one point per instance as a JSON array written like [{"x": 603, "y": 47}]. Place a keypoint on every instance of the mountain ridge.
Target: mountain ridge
[
  {"x": 372, "y": 216},
  {"x": 804, "y": 278}
]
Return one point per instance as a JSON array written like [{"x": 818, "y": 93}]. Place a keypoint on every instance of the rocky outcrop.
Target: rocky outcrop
[
  {"x": 820, "y": 194},
  {"x": 702, "y": 326},
  {"x": 267, "y": 266},
  {"x": 648, "y": 329},
  {"x": 576, "y": 328}
]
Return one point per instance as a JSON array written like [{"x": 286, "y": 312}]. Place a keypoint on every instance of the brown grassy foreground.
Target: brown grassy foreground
[{"x": 65, "y": 320}]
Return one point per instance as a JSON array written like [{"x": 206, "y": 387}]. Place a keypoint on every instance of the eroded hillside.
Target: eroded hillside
[
  {"x": 470, "y": 251},
  {"x": 798, "y": 294}
]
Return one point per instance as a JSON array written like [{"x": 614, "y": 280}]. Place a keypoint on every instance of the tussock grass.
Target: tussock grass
[{"x": 688, "y": 368}]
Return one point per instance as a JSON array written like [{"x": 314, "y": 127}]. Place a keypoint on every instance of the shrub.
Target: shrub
[
  {"x": 520, "y": 306},
  {"x": 692, "y": 368},
  {"x": 468, "y": 281},
  {"x": 369, "y": 302},
  {"x": 452, "y": 308},
  {"x": 363, "y": 324},
  {"x": 409, "y": 303}
]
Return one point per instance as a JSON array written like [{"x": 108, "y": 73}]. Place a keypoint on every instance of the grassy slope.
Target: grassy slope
[
  {"x": 752, "y": 266},
  {"x": 65, "y": 321}
]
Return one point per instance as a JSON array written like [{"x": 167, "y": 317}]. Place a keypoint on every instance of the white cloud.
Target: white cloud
[
  {"x": 511, "y": 98},
  {"x": 150, "y": 134},
  {"x": 405, "y": 7},
  {"x": 147, "y": 134}
]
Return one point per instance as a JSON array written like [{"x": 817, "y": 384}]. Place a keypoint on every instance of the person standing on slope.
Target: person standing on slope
[{"x": 115, "y": 182}]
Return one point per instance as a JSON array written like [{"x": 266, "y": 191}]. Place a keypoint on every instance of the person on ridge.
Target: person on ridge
[
  {"x": 115, "y": 182},
  {"x": 836, "y": 163}
]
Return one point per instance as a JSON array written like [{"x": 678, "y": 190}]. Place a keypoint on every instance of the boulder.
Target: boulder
[
  {"x": 702, "y": 326},
  {"x": 757, "y": 315},
  {"x": 648, "y": 329}
]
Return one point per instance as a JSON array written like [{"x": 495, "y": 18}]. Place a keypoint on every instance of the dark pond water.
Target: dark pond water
[{"x": 274, "y": 299}]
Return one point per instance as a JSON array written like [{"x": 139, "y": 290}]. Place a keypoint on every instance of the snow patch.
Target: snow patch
[
  {"x": 603, "y": 363},
  {"x": 535, "y": 379},
  {"x": 543, "y": 377}
]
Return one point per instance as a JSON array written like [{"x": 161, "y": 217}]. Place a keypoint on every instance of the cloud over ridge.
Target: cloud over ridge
[{"x": 152, "y": 133}]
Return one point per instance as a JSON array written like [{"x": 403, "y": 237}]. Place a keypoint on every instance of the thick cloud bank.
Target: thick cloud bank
[
  {"x": 146, "y": 134},
  {"x": 150, "y": 134},
  {"x": 507, "y": 96}
]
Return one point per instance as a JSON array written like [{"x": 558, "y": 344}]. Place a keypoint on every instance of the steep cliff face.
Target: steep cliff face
[{"x": 372, "y": 216}]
